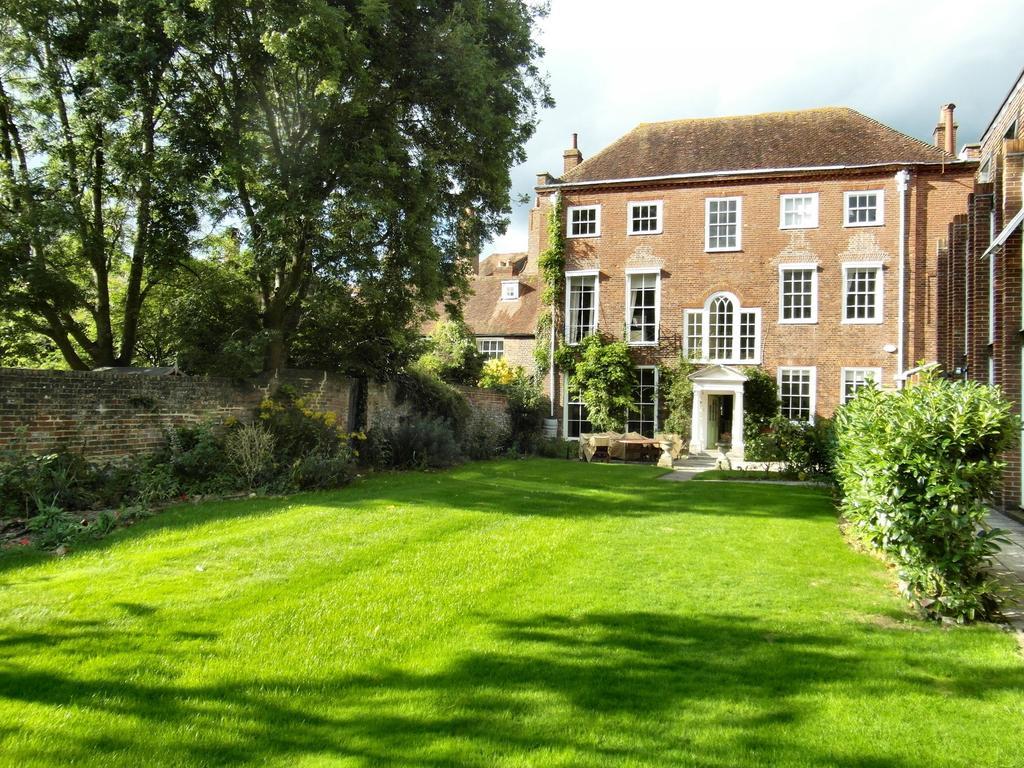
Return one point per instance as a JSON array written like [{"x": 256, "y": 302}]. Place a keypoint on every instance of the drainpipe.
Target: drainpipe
[
  {"x": 902, "y": 184},
  {"x": 554, "y": 316}
]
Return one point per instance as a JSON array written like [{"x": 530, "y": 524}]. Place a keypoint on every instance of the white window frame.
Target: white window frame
[
  {"x": 687, "y": 314},
  {"x": 657, "y": 304},
  {"x": 597, "y": 296},
  {"x": 738, "y": 311},
  {"x": 782, "y": 210},
  {"x": 813, "y": 385},
  {"x": 879, "y": 205},
  {"x": 659, "y": 207},
  {"x": 879, "y": 268},
  {"x": 875, "y": 373},
  {"x": 569, "y": 222},
  {"x": 481, "y": 340},
  {"x": 657, "y": 384},
  {"x": 805, "y": 266},
  {"x": 707, "y": 224},
  {"x": 506, "y": 293}
]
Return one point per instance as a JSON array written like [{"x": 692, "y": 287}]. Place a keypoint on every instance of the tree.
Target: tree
[
  {"x": 452, "y": 354},
  {"x": 366, "y": 144},
  {"x": 97, "y": 189}
]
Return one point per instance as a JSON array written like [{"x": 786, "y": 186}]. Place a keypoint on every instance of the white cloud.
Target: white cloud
[{"x": 613, "y": 65}]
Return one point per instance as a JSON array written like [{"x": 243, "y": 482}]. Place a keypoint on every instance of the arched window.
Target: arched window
[{"x": 723, "y": 331}]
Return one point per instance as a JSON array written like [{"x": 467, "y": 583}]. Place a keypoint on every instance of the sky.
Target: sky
[{"x": 611, "y": 65}]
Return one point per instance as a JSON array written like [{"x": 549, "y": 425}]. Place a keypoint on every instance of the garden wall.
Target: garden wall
[{"x": 111, "y": 415}]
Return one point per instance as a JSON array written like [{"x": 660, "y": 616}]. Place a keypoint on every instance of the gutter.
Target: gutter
[
  {"x": 745, "y": 172},
  {"x": 1003, "y": 236},
  {"x": 902, "y": 183}
]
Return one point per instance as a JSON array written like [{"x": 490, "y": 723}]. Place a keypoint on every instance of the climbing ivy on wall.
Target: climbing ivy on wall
[{"x": 552, "y": 268}]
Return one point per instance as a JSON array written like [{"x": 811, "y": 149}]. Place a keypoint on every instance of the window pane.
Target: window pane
[
  {"x": 857, "y": 378},
  {"x": 491, "y": 348},
  {"x": 797, "y": 294},
  {"x": 722, "y": 223},
  {"x": 695, "y": 334},
  {"x": 795, "y": 393},
  {"x": 577, "y": 420},
  {"x": 720, "y": 329},
  {"x": 582, "y": 319},
  {"x": 643, "y": 297},
  {"x": 861, "y": 296},
  {"x": 748, "y": 335},
  {"x": 641, "y": 417}
]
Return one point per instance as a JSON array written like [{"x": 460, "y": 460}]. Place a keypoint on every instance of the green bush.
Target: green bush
[
  {"x": 916, "y": 468},
  {"x": 452, "y": 354},
  {"x": 556, "y": 448},
  {"x": 760, "y": 403},
  {"x": 805, "y": 449},
  {"x": 485, "y": 436},
  {"x": 196, "y": 457},
  {"x": 413, "y": 442},
  {"x": 603, "y": 373},
  {"x": 429, "y": 396},
  {"x": 317, "y": 470},
  {"x": 677, "y": 395}
]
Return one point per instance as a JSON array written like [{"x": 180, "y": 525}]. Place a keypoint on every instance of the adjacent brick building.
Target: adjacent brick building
[
  {"x": 980, "y": 298},
  {"x": 502, "y": 308},
  {"x": 778, "y": 240}
]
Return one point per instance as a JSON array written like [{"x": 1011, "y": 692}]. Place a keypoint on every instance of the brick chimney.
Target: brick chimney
[
  {"x": 571, "y": 157},
  {"x": 944, "y": 134}
]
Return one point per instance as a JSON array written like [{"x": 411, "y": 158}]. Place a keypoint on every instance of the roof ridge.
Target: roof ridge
[
  {"x": 714, "y": 118},
  {"x": 923, "y": 143}
]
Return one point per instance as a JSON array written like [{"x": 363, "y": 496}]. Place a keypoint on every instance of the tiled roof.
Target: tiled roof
[
  {"x": 829, "y": 136},
  {"x": 484, "y": 311}
]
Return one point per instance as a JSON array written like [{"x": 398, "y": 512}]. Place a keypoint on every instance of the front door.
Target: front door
[
  {"x": 719, "y": 420},
  {"x": 714, "y": 411}
]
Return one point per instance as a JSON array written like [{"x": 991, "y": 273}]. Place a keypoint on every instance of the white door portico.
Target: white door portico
[{"x": 708, "y": 382}]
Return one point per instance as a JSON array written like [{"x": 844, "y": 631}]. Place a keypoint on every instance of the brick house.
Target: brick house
[
  {"x": 802, "y": 242},
  {"x": 502, "y": 307},
  {"x": 980, "y": 296}
]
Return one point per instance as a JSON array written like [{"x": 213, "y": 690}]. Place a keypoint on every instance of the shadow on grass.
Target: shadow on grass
[
  {"x": 546, "y": 488},
  {"x": 598, "y": 689}
]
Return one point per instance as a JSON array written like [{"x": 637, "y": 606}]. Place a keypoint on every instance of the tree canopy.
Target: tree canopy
[{"x": 359, "y": 149}]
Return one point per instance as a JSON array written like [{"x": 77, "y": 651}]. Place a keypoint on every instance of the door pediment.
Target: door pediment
[{"x": 718, "y": 374}]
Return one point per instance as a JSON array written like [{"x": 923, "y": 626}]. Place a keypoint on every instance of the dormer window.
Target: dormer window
[{"x": 509, "y": 290}]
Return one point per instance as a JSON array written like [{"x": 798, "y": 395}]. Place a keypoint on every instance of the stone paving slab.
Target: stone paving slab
[{"x": 1009, "y": 566}]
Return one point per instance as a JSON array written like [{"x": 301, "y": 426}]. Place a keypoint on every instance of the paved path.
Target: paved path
[
  {"x": 1009, "y": 566},
  {"x": 688, "y": 467}
]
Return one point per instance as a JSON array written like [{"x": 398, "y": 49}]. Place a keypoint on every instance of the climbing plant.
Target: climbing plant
[
  {"x": 603, "y": 374},
  {"x": 552, "y": 269}
]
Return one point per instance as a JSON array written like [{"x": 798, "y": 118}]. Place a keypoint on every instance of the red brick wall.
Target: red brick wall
[
  {"x": 109, "y": 416},
  {"x": 689, "y": 275}
]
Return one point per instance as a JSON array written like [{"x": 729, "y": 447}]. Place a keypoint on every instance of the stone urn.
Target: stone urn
[{"x": 665, "y": 460}]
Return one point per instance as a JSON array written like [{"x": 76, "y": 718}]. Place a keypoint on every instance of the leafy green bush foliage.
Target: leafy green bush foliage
[
  {"x": 428, "y": 395},
  {"x": 250, "y": 451},
  {"x": 413, "y": 442},
  {"x": 916, "y": 468},
  {"x": 676, "y": 391},
  {"x": 804, "y": 449},
  {"x": 603, "y": 373},
  {"x": 452, "y": 354},
  {"x": 556, "y": 448},
  {"x": 485, "y": 437},
  {"x": 499, "y": 373},
  {"x": 760, "y": 402}
]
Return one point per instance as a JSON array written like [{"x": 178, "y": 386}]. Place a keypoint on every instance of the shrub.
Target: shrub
[
  {"x": 916, "y": 467},
  {"x": 485, "y": 436},
  {"x": 250, "y": 450},
  {"x": 760, "y": 402},
  {"x": 429, "y": 396},
  {"x": 677, "y": 393},
  {"x": 499, "y": 373},
  {"x": 556, "y": 448},
  {"x": 422, "y": 442},
  {"x": 452, "y": 353},
  {"x": 298, "y": 429},
  {"x": 805, "y": 449},
  {"x": 196, "y": 457},
  {"x": 322, "y": 471}
]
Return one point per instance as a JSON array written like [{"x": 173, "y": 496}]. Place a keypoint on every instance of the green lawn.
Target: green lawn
[{"x": 530, "y": 613}]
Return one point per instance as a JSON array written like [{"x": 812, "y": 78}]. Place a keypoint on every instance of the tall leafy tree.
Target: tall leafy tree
[
  {"x": 365, "y": 145},
  {"x": 97, "y": 188}
]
